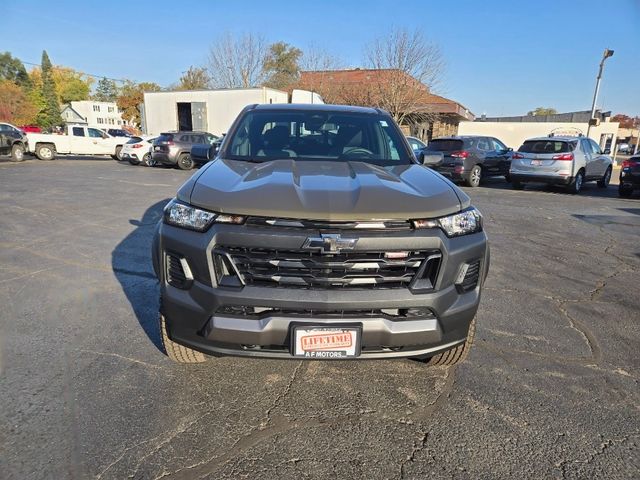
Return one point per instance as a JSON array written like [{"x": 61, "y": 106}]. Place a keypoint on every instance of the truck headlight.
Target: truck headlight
[
  {"x": 183, "y": 215},
  {"x": 462, "y": 223}
]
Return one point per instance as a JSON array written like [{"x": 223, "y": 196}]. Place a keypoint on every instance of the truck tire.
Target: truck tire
[
  {"x": 457, "y": 354},
  {"x": 17, "y": 152},
  {"x": 45, "y": 151},
  {"x": 176, "y": 352},
  {"x": 185, "y": 162}
]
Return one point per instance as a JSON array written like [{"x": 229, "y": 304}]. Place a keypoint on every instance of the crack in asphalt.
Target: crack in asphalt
[{"x": 418, "y": 446}]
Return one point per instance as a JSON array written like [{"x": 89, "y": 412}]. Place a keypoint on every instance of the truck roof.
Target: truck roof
[{"x": 315, "y": 107}]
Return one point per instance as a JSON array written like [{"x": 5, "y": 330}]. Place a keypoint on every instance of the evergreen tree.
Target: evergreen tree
[
  {"x": 49, "y": 115},
  {"x": 106, "y": 91}
]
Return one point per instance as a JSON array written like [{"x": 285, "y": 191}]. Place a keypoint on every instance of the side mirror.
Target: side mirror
[
  {"x": 431, "y": 159},
  {"x": 607, "y": 151}
]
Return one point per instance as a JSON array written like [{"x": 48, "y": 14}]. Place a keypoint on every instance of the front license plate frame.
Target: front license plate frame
[{"x": 326, "y": 342}]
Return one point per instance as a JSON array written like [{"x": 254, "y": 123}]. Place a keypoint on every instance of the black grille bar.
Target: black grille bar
[{"x": 316, "y": 270}]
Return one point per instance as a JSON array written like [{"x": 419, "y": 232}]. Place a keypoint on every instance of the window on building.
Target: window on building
[
  {"x": 110, "y": 109},
  {"x": 96, "y": 108}
]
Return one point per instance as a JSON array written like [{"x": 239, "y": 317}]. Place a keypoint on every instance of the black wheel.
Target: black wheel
[
  {"x": 17, "y": 152},
  {"x": 507, "y": 177},
  {"x": 576, "y": 185},
  {"x": 624, "y": 191},
  {"x": 148, "y": 161},
  {"x": 176, "y": 352},
  {"x": 185, "y": 162},
  {"x": 117, "y": 154},
  {"x": 516, "y": 185},
  {"x": 46, "y": 151},
  {"x": 473, "y": 180},
  {"x": 455, "y": 355},
  {"x": 134, "y": 160},
  {"x": 606, "y": 178}
]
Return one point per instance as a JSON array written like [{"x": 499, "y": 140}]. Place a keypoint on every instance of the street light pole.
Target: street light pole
[{"x": 607, "y": 53}]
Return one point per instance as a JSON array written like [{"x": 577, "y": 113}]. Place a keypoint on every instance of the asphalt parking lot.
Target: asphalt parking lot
[{"x": 550, "y": 389}]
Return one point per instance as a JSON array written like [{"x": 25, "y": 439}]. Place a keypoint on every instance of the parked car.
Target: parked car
[
  {"x": 174, "y": 148},
  {"x": 202, "y": 153},
  {"x": 30, "y": 129},
  {"x": 568, "y": 161},
  {"x": 277, "y": 248},
  {"x": 13, "y": 142},
  {"x": 416, "y": 145},
  {"x": 629, "y": 176},
  {"x": 138, "y": 150},
  {"x": 470, "y": 158},
  {"x": 75, "y": 140},
  {"x": 117, "y": 132},
  {"x": 624, "y": 149}
]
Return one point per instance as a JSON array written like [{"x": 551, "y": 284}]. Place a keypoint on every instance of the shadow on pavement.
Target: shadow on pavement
[{"x": 132, "y": 266}]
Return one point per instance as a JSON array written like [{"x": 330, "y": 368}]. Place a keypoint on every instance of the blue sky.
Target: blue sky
[{"x": 503, "y": 57}]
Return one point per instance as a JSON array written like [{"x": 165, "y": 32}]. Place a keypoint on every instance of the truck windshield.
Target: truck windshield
[{"x": 312, "y": 135}]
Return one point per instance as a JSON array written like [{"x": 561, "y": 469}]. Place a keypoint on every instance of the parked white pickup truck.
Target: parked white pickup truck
[{"x": 78, "y": 140}]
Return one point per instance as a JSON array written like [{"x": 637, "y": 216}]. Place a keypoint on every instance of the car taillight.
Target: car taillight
[
  {"x": 460, "y": 154},
  {"x": 517, "y": 156},
  {"x": 136, "y": 145},
  {"x": 564, "y": 156},
  {"x": 170, "y": 142},
  {"x": 632, "y": 162}
]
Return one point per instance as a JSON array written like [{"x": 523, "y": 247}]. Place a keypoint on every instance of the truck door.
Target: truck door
[
  {"x": 101, "y": 144},
  {"x": 79, "y": 143}
]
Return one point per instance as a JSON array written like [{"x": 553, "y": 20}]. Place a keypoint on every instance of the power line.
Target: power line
[{"x": 83, "y": 73}]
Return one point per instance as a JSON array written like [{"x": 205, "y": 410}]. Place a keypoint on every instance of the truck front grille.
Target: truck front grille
[{"x": 314, "y": 270}]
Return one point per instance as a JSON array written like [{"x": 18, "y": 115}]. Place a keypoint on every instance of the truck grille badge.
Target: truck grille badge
[{"x": 329, "y": 243}]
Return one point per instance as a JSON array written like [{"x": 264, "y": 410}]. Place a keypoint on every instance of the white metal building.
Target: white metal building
[
  {"x": 513, "y": 131},
  {"x": 208, "y": 110}
]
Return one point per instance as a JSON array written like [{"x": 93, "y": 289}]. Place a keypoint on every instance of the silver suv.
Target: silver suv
[{"x": 553, "y": 160}]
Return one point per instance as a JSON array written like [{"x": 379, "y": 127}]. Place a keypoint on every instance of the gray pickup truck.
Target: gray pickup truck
[{"x": 316, "y": 234}]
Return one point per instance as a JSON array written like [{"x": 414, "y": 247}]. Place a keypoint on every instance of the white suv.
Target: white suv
[{"x": 569, "y": 161}]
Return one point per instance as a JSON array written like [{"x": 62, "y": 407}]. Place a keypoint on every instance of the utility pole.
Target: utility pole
[{"x": 607, "y": 53}]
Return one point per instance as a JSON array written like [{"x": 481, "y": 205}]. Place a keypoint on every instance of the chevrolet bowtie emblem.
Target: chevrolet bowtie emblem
[{"x": 329, "y": 243}]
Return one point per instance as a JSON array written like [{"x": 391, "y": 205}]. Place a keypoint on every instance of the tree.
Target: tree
[
  {"x": 196, "y": 78},
  {"x": 626, "y": 121},
  {"x": 70, "y": 85},
  {"x": 15, "y": 105},
  {"x": 412, "y": 69},
  {"x": 131, "y": 96},
  {"x": 49, "y": 114},
  {"x": 237, "y": 62},
  {"x": 13, "y": 70},
  {"x": 281, "y": 65},
  {"x": 106, "y": 91},
  {"x": 540, "y": 111}
]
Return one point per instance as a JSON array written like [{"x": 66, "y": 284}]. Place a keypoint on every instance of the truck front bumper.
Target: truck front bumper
[{"x": 212, "y": 318}]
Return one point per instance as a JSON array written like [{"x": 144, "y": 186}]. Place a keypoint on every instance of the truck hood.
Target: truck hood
[{"x": 323, "y": 190}]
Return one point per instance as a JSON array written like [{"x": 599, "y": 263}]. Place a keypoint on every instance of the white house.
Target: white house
[
  {"x": 94, "y": 114},
  {"x": 208, "y": 110}
]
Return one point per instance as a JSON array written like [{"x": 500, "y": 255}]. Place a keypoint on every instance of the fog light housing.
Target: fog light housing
[{"x": 468, "y": 277}]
